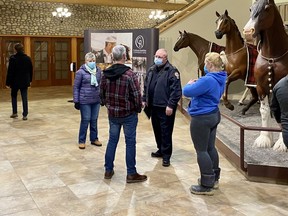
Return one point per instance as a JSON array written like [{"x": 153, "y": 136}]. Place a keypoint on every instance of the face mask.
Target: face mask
[
  {"x": 158, "y": 61},
  {"x": 205, "y": 69},
  {"x": 91, "y": 65}
]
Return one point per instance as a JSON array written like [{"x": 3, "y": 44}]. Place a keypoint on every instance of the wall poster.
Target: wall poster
[{"x": 141, "y": 45}]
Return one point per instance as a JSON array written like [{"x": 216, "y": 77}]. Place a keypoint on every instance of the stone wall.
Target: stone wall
[{"x": 35, "y": 18}]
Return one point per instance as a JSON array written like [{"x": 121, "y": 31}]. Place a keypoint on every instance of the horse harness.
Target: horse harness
[{"x": 270, "y": 61}]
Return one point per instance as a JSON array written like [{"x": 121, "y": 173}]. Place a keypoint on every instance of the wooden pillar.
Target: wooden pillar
[
  {"x": 73, "y": 55},
  {"x": 27, "y": 45}
]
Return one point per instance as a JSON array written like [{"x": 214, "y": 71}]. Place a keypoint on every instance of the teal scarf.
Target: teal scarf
[{"x": 93, "y": 75}]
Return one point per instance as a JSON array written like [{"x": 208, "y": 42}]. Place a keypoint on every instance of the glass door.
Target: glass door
[
  {"x": 51, "y": 59},
  {"x": 42, "y": 60},
  {"x": 61, "y": 56}
]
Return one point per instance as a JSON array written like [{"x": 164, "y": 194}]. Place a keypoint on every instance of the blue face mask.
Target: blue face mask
[
  {"x": 205, "y": 70},
  {"x": 91, "y": 65},
  {"x": 158, "y": 61}
]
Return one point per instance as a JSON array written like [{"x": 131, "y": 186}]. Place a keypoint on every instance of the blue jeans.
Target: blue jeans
[
  {"x": 89, "y": 114},
  {"x": 24, "y": 93},
  {"x": 129, "y": 124}
]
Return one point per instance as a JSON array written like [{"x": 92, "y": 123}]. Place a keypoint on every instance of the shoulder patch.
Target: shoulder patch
[{"x": 177, "y": 75}]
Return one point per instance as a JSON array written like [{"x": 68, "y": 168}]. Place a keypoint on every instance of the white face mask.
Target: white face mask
[
  {"x": 91, "y": 65},
  {"x": 158, "y": 61}
]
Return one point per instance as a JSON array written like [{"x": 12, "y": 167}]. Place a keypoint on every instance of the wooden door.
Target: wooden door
[
  {"x": 6, "y": 50},
  {"x": 41, "y": 60},
  {"x": 61, "y": 59},
  {"x": 51, "y": 59}
]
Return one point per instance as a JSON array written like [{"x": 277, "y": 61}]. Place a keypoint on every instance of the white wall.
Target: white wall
[
  {"x": 280, "y": 1},
  {"x": 202, "y": 23}
]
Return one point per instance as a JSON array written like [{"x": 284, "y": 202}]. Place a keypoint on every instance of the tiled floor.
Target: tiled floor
[{"x": 42, "y": 171}]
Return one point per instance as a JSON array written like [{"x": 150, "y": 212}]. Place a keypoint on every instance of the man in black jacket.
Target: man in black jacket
[
  {"x": 19, "y": 77},
  {"x": 162, "y": 91},
  {"x": 279, "y": 106}
]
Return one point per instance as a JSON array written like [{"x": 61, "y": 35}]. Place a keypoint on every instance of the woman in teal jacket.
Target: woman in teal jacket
[{"x": 205, "y": 94}]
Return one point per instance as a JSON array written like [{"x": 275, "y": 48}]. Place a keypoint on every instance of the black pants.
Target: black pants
[
  {"x": 163, "y": 128},
  {"x": 285, "y": 133},
  {"x": 203, "y": 133},
  {"x": 24, "y": 96}
]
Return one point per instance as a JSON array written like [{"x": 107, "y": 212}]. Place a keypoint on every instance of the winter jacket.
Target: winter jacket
[
  {"x": 20, "y": 71},
  {"x": 84, "y": 92},
  {"x": 205, "y": 93},
  {"x": 279, "y": 101},
  {"x": 167, "y": 91}
]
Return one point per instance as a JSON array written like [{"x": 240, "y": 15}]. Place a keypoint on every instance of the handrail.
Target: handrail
[
  {"x": 181, "y": 14},
  {"x": 242, "y": 136}
]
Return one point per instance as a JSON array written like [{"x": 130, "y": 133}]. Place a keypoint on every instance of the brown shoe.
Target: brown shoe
[
  {"x": 108, "y": 174},
  {"x": 96, "y": 143},
  {"x": 136, "y": 178},
  {"x": 82, "y": 145}
]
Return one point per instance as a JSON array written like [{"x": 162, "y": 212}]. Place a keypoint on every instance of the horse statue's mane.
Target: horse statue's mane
[
  {"x": 199, "y": 45},
  {"x": 234, "y": 24},
  {"x": 237, "y": 56}
]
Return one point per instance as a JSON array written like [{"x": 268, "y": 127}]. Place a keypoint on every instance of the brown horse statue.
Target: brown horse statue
[
  {"x": 199, "y": 46},
  {"x": 272, "y": 62},
  {"x": 237, "y": 53}
]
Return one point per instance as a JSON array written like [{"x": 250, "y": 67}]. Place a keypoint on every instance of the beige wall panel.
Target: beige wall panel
[{"x": 202, "y": 22}]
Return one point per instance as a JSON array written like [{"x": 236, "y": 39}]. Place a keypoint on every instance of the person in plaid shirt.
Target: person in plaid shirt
[{"x": 120, "y": 93}]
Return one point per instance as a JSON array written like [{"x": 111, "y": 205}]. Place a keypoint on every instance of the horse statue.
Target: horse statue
[
  {"x": 237, "y": 52},
  {"x": 272, "y": 62},
  {"x": 199, "y": 46}
]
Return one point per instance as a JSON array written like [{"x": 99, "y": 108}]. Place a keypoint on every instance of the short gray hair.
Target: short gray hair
[
  {"x": 89, "y": 56},
  {"x": 118, "y": 52}
]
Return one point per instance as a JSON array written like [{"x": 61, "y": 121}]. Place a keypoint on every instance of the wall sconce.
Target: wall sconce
[
  {"x": 61, "y": 13},
  {"x": 158, "y": 14}
]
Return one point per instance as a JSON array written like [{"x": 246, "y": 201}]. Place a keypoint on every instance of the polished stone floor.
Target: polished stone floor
[{"x": 42, "y": 171}]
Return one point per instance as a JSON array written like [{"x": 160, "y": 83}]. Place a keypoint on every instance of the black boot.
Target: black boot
[
  {"x": 201, "y": 190},
  {"x": 217, "y": 177},
  {"x": 206, "y": 187}
]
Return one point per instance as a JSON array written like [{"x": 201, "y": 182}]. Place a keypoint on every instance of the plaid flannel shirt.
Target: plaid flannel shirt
[{"x": 121, "y": 96}]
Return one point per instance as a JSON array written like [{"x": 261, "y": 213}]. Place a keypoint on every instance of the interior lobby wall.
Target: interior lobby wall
[{"x": 35, "y": 18}]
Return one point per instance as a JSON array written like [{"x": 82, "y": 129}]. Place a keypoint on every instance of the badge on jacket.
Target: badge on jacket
[{"x": 177, "y": 74}]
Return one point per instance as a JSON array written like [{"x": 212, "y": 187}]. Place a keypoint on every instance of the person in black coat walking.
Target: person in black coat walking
[{"x": 19, "y": 77}]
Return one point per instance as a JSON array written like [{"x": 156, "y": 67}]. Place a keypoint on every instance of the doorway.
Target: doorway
[{"x": 51, "y": 60}]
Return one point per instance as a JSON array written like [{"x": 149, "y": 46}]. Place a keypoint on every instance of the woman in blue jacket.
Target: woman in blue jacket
[
  {"x": 86, "y": 97},
  {"x": 205, "y": 94}
]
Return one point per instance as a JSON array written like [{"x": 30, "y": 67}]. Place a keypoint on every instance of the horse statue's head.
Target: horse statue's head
[
  {"x": 222, "y": 24},
  {"x": 225, "y": 25},
  {"x": 182, "y": 41},
  {"x": 262, "y": 15}
]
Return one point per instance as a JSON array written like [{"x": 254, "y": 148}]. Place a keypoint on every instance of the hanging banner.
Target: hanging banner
[{"x": 141, "y": 45}]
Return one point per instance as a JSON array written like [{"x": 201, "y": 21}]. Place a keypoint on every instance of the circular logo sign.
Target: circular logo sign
[{"x": 139, "y": 42}]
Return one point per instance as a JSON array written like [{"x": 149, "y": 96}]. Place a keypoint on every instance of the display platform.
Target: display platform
[{"x": 257, "y": 164}]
